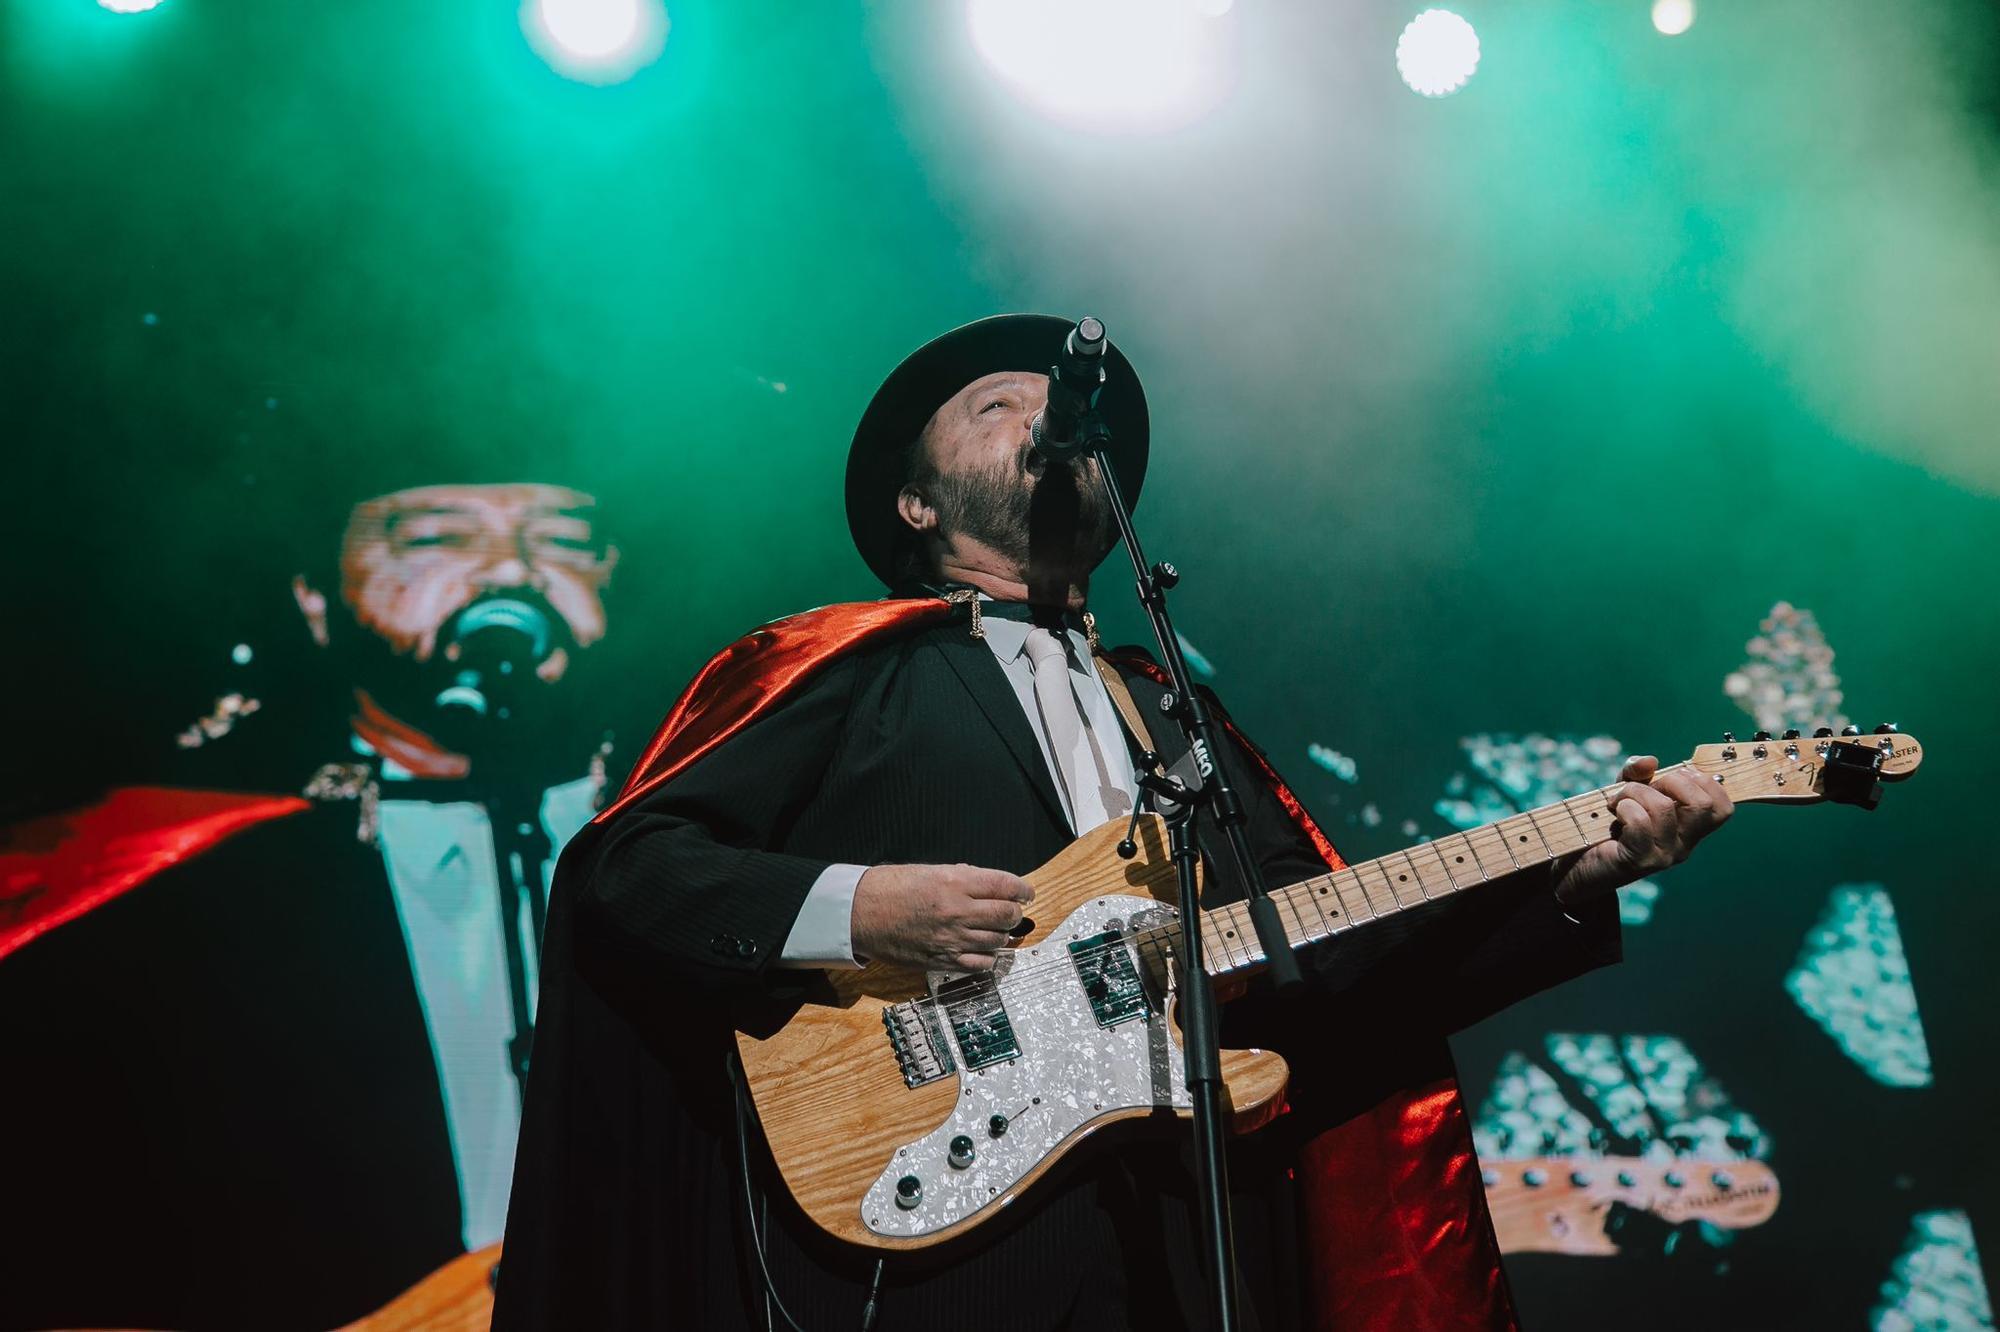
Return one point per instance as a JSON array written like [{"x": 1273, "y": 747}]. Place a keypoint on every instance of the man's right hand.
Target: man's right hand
[{"x": 938, "y": 917}]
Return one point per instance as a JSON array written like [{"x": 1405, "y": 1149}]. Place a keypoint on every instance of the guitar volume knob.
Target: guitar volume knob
[{"x": 960, "y": 1153}]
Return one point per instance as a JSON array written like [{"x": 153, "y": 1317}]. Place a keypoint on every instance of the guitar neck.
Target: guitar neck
[{"x": 1360, "y": 895}]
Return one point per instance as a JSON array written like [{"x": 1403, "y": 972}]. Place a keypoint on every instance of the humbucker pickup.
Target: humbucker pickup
[
  {"x": 979, "y": 1020},
  {"x": 1110, "y": 981}
]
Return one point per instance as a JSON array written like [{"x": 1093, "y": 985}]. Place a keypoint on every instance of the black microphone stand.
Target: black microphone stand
[
  {"x": 520, "y": 849},
  {"x": 1199, "y": 1020}
]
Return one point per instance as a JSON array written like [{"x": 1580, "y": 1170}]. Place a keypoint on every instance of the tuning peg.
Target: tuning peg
[
  {"x": 1761, "y": 735},
  {"x": 1822, "y": 733},
  {"x": 1886, "y": 728},
  {"x": 1850, "y": 729},
  {"x": 1791, "y": 733},
  {"x": 1729, "y": 737}
]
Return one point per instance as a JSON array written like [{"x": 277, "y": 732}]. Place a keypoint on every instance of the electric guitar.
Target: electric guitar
[
  {"x": 912, "y": 1108},
  {"x": 458, "y": 1297},
  {"x": 1561, "y": 1204}
]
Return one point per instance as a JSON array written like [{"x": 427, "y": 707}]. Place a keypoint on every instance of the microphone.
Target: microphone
[
  {"x": 493, "y": 647},
  {"x": 1073, "y": 383}
]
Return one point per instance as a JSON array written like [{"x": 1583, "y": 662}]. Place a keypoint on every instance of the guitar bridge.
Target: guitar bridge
[{"x": 922, "y": 1052}]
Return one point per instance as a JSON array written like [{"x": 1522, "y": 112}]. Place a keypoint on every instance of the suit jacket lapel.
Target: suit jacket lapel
[{"x": 972, "y": 662}]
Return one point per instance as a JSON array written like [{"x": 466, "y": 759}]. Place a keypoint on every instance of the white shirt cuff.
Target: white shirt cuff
[{"x": 823, "y": 934}]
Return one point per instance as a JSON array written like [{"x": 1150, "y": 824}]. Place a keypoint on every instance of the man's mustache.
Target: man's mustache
[{"x": 1068, "y": 511}]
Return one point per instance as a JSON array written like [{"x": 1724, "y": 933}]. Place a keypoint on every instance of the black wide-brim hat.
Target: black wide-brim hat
[{"x": 928, "y": 378}]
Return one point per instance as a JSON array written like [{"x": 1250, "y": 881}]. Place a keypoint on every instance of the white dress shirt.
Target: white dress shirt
[
  {"x": 822, "y": 936},
  {"x": 439, "y": 858}
]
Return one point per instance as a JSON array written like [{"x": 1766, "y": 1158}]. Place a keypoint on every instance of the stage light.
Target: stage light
[
  {"x": 1108, "y": 65},
  {"x": 593, "y": 28},
  {"x": 1853, "y": 979},
  {"x": 129, "y": 6},
  {"x": 1437, "y": 53},
  {"x": 1673, "y": 17},
  {"x": 596, "y": 41}
]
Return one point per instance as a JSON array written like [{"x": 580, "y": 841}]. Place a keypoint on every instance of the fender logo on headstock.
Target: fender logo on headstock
[
  {"x": 1562, "y": 1204},
  {"x": 1846, "y": 769}
]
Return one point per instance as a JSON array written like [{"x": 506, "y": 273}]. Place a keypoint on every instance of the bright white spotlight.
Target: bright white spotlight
[
  {"x": 1109, "y": 65},
  {"x": 596, "y": 41},
  {"x": 591, "y": 28},
  {"x": 129, "y": 6},
  {"x": 1673, "y": 17},
  {"x": 1437, "y": 53}
]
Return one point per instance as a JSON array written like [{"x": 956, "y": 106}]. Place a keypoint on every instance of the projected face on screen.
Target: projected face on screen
[
  {"x": 412, "y": 559},
  {"x": 451, "y": 627}
]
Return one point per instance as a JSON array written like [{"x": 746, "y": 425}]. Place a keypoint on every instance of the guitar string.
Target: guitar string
[{"x": 1027, "y": 982}]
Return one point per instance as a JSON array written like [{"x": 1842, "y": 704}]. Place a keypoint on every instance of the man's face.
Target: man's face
[
  {"x": 991, "y": 485},
  {"x": 412, "y": 559}
]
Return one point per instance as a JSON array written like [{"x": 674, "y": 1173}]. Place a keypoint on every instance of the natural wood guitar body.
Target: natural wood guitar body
[
  {"x": 876, "y": 1104},
  {"x": 832, "y": 1098}
]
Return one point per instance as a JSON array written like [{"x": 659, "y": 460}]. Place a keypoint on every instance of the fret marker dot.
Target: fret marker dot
[{"x": 1402, "y": 878}]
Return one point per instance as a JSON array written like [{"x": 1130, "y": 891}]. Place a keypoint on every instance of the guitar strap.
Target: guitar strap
[{"x": 1121, "y": 698}]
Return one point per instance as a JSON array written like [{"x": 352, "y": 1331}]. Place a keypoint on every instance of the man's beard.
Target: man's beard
[
  {"x": 1056, "y": 527},
  {"x": 552, "y": 719}
]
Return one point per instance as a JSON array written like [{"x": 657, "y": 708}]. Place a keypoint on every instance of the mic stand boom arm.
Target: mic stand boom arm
[{"x": 1199, "y": 1022}]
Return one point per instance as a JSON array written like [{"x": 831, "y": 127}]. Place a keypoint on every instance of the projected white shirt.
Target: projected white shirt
[{"x": 441, "y": 870}]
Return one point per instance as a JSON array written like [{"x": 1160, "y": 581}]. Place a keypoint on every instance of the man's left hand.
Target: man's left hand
[{"x": 1660, "y": 818}]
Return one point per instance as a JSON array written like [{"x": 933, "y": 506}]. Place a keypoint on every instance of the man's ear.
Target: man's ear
[
  {"x": 312, "y": 605},
  {"x": 916, "y": 510}
]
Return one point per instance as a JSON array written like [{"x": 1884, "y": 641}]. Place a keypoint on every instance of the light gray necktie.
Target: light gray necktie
[{"x": 1081, "y": 767}]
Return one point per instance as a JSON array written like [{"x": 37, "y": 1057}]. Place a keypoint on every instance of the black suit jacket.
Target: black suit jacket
[
  {"x": 222, "y": 1108},
  {"x": 664, "y": 929}
]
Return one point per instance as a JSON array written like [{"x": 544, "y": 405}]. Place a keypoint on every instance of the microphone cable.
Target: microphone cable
[{"x": 752, "y": 1201}]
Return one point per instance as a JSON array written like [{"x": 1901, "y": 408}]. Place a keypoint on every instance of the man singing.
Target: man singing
[
  {"x": 293, "y": 948},
  {"x": 867, "y": 784}
]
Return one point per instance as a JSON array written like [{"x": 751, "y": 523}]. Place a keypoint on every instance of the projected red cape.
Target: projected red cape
[
  {"x": 55, "y": 868},
  {"x": 1393, "y": 1214}
]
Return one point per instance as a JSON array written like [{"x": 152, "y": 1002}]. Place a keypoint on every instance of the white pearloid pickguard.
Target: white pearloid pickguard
[{"x": 1069, "y": 1072}]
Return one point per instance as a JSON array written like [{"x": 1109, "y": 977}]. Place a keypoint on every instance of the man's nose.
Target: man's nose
[{"x": 509, "y": 571}]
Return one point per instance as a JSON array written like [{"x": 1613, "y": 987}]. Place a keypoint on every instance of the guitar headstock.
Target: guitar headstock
[
  {"x": 1847, "y": 768},
  {"x": 1561, "y": 1204}
]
